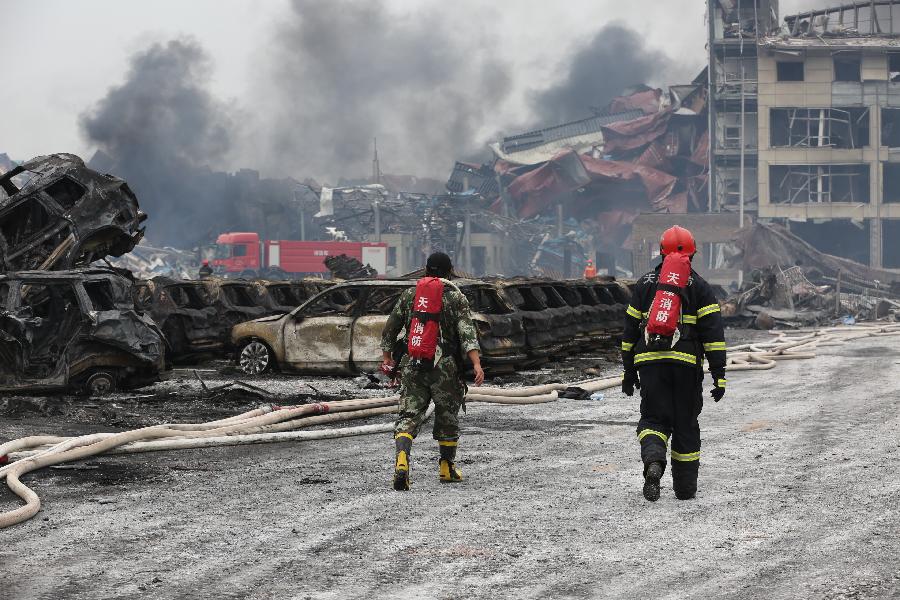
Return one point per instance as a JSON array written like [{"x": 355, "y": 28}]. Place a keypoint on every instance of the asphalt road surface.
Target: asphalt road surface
[{"x": 799, "y": 498}]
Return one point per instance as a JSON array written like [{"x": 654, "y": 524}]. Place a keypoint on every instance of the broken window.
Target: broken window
[
  {"x": 587, "y": 296},
  {"x": 101, "y": 295},
  {"x": 847, "y": 66},
  {"x": 187, "y": 296},
  {"x": 621, "y": 296},
  {"x": 891, "y": 182},
  {"x": 890, "y": 127},
  {"x": 570, "y": 296},
  {"x": 894, "y": 66},
  {"x": 485, "y": 300},
  {"x": 286, "y": 295},
  {"x": 732, "y": 136},
  {"x": 525, "y": 298},
  {"x": 238, "y": 295},
  {"x": 23, "y": 222},
  {"x": 604, "y": 296},
  {"x": 735, "y": 73},
  {"x": 52, "y": 302},
  {"x": 334, "y": 302},
  {"x": 800, "y": 184},
  {"x": 789, "y": 70},
  {"x": 840, "y": 237},
  {"x": 553, "y": 299},
  {"x": 891, "y": 243},
  {"x": 66, "y": 192},
  {"x": 381, "y": 301},
  {"x": 819, "y": 127}
]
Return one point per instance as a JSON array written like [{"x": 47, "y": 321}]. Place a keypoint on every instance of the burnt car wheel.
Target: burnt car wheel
[
  {"x": 255, "y": 358},
  {"x": 100, "y": 383}
]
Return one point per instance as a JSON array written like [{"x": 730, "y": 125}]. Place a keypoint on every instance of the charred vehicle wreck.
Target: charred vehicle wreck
[
  {"x": 55, "y": 213},
  {"x": 182, "y": 310},
  {"x": 339, "y": 330},
  {"x": 74, "y": 330}
]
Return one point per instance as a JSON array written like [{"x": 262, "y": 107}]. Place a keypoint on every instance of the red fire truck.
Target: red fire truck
[{"x": 244, "y": 254}]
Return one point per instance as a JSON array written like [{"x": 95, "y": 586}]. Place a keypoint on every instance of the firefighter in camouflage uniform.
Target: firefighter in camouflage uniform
[
  {"x": 439, "y": 380},
  {"x": 670, "y": 380}
]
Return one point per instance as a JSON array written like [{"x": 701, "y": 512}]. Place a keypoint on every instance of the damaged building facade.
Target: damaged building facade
[
  {"x": 810, "y": 106},
  {"x": 830, "y": 162}
]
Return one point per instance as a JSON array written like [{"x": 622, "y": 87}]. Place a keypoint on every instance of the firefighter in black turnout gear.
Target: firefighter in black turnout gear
[{"x": 669, "y": 371}]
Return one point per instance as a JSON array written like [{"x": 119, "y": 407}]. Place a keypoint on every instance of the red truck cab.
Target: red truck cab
[{"x": 238, "y": 253}]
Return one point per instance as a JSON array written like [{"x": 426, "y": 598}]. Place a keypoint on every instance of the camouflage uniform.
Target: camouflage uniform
[{"x": 441, "y": 383}]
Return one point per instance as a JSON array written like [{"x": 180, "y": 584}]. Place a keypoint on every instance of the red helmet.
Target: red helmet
[
  {"x": 677, "y": 239},
  {"x": 205, "y": 263}
]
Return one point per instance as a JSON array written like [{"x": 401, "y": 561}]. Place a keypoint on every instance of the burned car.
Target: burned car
[
  {"x": 235, "y": 301},
  {"x": 181, "y": 309},
  {"x": 285, "y": 296},
  {"x": 76, "y": 330},
  {"x": 55, "y": 213},
  {"x": 339, "y": 330}
]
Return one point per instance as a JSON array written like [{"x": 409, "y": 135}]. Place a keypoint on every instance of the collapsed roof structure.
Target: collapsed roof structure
[{"x": 587, "y": 180}]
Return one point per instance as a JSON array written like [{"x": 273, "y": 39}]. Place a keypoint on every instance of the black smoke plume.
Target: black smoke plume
[
  {"x": 614, "y": 60},
  {"x": 341, "y": 73},
  {"x": 162, "y": 129}
]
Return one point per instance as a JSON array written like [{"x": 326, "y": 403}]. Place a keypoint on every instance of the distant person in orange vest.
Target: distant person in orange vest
[{"x": 590, "y": 271}]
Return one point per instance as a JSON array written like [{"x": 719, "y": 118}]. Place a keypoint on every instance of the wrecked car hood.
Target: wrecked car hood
[{"x": 129, "y": 331}]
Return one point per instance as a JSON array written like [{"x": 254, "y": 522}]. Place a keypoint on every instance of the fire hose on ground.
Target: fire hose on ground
[{"x": 281, "y": 424}]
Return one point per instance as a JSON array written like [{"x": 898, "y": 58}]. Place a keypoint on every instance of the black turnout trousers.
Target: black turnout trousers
[{"x": 671, "y": 401}]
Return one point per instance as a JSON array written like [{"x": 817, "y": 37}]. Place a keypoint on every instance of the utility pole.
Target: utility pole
[
  {"x": 376, "y": 167},
  {"x": 376, "y": 207},
  {"x": 743, "y": 144},
  {"x": 467, "y": 231},
  {"x": 376, "y": 178},
  {"x": 711, "y": 101},
  {"x": 302, "y": 217}
]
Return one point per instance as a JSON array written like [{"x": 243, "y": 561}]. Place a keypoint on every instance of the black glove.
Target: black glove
[
  {"x": 718, "y": 390},
  {"x": 630, "y": 381}
]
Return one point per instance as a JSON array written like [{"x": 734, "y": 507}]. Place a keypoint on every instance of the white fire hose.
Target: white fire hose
[{"x": 279, "y": 424}]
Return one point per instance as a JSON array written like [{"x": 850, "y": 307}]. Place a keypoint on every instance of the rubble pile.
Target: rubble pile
[
  {"x": 147, "y": 262},
  {"x": 347, "y": 267},
  {"x": 792, "y": 284},
  {"x": 586, "y": 181}
]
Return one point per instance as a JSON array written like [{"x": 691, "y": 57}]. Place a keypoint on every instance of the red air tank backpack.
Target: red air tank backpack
[
  {"x": 424, "y": 326},
  {"x": 661, "y": 331}
]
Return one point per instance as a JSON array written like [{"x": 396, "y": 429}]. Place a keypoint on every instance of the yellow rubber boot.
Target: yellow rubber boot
[
  {"x": 403, "y": 441},
  {"x": 447, "y": 470}
]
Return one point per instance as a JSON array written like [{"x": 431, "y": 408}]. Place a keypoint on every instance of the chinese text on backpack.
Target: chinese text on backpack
[
  {"x": 424, "y": 328},
  {"x": 661, "y": 332}
]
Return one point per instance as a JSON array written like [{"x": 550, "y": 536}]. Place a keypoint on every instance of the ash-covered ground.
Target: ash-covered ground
[{"x": 798, "y": 498}]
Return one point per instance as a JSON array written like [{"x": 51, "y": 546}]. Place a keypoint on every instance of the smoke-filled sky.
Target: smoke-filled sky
[{"x": 301, "y": 87}]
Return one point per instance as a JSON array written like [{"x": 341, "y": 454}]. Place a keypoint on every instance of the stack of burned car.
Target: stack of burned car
[
  {"x": 520, "y": 323},
  {"x": 64, "y": 325}
]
